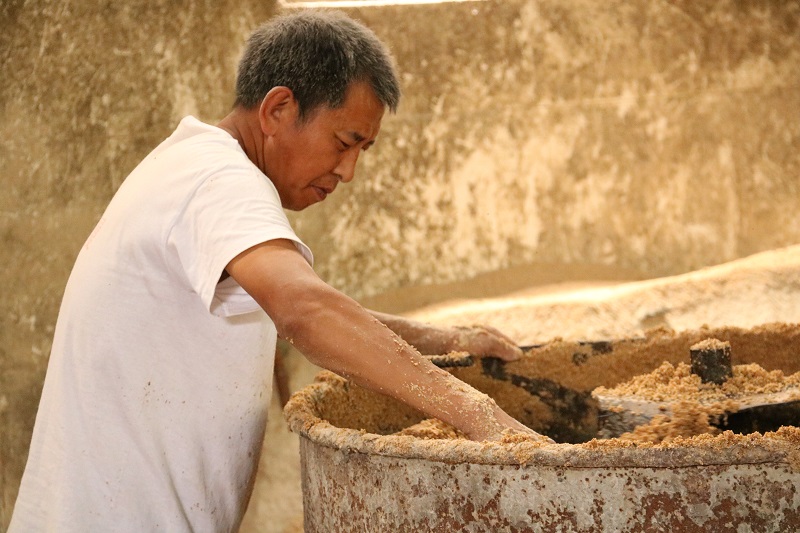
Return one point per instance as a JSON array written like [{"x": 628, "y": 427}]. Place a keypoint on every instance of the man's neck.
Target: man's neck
[{"x": 242, "y": 124}]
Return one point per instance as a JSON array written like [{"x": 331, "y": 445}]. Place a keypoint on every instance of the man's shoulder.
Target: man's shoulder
[
  {"x": 194, "y": 134},
  {"x": 199, "y": 148}
]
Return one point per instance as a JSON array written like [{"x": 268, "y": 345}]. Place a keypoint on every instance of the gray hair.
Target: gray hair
[{"x": 316, "y": 54}]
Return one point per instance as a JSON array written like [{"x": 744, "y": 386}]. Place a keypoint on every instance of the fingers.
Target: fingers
[
  {"x": 511, "y": 436},
  {"x": 486, "y": 340},
  {"x": 518, "y": 432},
  {"x": 506, "y": 429},
  {"x": 498, "y": 333},
  {"x": 506, "y": 352}
]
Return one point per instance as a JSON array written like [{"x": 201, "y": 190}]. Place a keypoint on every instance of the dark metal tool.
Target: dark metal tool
[
  {"x": 457, "y": 359},
  {"x": 452, "y": 360}
]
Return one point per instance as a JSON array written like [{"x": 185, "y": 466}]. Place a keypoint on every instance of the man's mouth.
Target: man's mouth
[{"x": 322, "y": 193}]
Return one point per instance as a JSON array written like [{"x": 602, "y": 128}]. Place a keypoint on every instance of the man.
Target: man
[{"x": 154, "y": 405}]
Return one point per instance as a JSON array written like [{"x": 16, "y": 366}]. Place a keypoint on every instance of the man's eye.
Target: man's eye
[{"x": 343, "y": 145}]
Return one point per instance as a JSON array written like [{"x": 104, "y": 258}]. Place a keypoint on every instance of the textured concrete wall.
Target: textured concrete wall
[
  {"x": 658, "y": 136},
  {"x": 650, "y": 135}
]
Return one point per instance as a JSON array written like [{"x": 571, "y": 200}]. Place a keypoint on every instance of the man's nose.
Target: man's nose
[{"x": 346, "y": 168}]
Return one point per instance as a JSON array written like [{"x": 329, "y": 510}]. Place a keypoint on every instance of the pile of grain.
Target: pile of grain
[
  {"x": 694, "y": 406},
  {"x": 676, "y": 383}
]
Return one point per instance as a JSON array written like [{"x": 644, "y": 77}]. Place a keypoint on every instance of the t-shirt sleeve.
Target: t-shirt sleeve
[{"x": 231, "y": 211}]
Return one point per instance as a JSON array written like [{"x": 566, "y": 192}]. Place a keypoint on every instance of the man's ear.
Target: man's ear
[{"x": 278, "y": 107}]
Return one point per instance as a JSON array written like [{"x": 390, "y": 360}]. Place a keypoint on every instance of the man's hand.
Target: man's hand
[
  {"x": 504, "y": 427},
  {"x": 433, "y": 340},
  {"x": 485, "y": 340}
]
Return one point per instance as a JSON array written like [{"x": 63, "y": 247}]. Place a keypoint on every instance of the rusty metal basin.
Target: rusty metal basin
[{"x": 358, "y": 476}]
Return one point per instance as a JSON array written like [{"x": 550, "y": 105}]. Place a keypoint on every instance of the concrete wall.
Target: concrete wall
[
  {"x": 657, "y": 136},
  {"x": 643, "y": 135}
]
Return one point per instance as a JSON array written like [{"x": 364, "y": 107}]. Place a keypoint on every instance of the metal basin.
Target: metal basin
[{"x": 357, "y": 476}]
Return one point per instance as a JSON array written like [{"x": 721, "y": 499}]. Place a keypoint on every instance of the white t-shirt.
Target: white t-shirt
[{"x": 155, "y": 401}]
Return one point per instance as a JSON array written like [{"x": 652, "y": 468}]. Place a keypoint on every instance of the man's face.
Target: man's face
[{"x": 309, "y": 159}]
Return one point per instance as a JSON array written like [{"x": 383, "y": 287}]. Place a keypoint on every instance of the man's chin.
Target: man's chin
[{"x": 300, "y": 206}]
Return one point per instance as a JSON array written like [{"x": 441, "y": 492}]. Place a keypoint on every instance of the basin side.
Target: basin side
[{"x": 350, "y": 491}]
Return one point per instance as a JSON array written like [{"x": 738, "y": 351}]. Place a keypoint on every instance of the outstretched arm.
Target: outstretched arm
[{"x": 335, "y": 332}]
